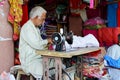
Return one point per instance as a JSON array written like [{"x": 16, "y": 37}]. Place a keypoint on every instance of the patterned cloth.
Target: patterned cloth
[{"x": 15, "y": 16}]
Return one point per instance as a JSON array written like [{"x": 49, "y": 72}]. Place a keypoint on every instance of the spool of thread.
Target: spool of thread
[{"x": 61, "y": 30}]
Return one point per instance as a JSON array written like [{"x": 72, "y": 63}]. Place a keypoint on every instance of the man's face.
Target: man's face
[{"x": 40, "y": 19}]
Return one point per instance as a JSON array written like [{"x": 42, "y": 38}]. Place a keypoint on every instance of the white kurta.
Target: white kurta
[
  {"x": 114, "y": 52},
  {"x": 30, "y": 41}
]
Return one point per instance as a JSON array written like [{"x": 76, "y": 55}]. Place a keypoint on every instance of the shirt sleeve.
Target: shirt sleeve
[{"x": 33, "y": 38}]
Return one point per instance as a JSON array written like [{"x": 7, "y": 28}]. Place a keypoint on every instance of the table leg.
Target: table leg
[
  {"x": 45, "y": 68},
  {"x": 58, "y": 68}
]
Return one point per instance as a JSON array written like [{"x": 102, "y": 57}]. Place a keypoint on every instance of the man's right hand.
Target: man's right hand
[{"x": 50, "y": 41}]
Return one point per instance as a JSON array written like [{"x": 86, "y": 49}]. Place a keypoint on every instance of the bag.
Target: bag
[{"x": 6, "y": 76}]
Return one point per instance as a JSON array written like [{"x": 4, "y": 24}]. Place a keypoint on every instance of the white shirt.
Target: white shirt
[{"x": 30, "y": 41}]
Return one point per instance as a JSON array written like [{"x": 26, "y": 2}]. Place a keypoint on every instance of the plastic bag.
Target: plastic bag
[{"x": 6, "y": 76}]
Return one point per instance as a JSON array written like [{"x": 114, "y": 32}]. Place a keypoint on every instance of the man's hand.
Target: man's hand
[{"x": 50, "y": 41}]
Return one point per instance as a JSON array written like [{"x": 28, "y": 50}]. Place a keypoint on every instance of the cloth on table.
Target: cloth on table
[{"x": 86, "y": 41}]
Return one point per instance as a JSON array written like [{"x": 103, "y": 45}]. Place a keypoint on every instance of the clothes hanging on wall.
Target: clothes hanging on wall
[
  {"x": 25, "y": 14},
  {"x": 74, "y": 7},
  {"x": 112, "y": 14},
  {"x": 15, "y": 16}
]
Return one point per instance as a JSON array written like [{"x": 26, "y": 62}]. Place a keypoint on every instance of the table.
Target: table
[{"x": 47, "y": 54}]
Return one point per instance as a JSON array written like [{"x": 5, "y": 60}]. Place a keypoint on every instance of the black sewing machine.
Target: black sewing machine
[{"x": 59, "y": 40}]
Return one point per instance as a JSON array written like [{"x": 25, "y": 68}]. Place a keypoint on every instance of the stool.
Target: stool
[{"x": 18, "y": 70}]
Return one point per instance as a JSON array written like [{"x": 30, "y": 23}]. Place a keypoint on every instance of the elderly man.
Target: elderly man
[{"x": 30, "y": 41}]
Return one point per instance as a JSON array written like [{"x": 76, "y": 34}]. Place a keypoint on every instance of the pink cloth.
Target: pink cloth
[{"x": 91, "y": 3}]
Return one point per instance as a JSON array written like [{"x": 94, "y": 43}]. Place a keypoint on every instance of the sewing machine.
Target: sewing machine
[{"x": 59, "y": 40}]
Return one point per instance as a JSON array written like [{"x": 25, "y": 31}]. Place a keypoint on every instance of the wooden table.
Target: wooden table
[{"x": 47, "y": 54}]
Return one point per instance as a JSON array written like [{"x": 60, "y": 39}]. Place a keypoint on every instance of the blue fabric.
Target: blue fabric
[
  {"x": 112, "y": 62},
  {"x": 112, "y": 14}
]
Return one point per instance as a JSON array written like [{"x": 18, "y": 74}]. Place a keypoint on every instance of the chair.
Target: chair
[{"x": 18, "y": 70}]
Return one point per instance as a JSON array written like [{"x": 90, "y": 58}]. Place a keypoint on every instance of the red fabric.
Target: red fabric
[
  {"x": 118, "y": 14},
  {"x": 49, "y": 2},
  {"x": 94, "y": 32},
  {"x": 108, "y": 36},
  {"x": 94, "y": 53},
  {"x": 25, "y": 14},
  {"x": 105, "y": 36},
  {"x": 74, "y": 4},
  {"x": 92, "y": 13},
  {"x": 74, "y": 7},
  {"x": 116, "y": 31}
]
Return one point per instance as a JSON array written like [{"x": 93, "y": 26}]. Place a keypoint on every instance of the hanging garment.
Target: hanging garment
[
  {"x": 83, "y": 14},
  {"x": 15, "y": 16},
  {"x": 112, "y": 14},
  {"x": 74, "y": 7},
  {"x": 103, "y": 9},
  {"x": 92, "y": 13},
  {"x": 25, "y": 14},
  {"x": 91, "y": 3}
]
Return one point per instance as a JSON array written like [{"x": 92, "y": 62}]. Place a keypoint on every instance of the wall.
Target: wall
[{"x": 6, "y": 47}]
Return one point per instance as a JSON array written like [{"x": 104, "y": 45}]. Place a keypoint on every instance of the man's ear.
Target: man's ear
[{"x": 36, "y": 17}]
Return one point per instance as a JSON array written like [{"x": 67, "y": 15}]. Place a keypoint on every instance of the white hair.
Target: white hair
[{"x": 37, "y": 11}]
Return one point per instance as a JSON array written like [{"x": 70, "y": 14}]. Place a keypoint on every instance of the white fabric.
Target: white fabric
[
  {"x": 86, "y": 41},
  {"x": 30, "y": 41},
  {"x": 83, "y": 15},
  {"x": 114, "y": 52}
]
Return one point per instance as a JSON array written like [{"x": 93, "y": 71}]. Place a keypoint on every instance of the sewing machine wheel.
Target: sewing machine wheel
[{"x": 57, "y": 38}]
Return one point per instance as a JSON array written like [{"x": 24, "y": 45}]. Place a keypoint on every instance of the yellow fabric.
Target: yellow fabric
[{"x": 15, "y": 14}]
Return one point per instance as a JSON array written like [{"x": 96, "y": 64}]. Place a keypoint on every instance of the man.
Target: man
[
  {"x": 112, "y": 59},
  {"x": 30, "y": 41}
]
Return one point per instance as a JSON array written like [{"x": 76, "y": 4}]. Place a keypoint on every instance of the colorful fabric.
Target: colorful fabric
[
  {"x": 15, "y": 16},
  {"x": 93, "y": 64}
]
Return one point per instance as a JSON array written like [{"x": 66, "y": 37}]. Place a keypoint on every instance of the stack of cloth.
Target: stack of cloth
[{"x": 93, "y": 65}]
